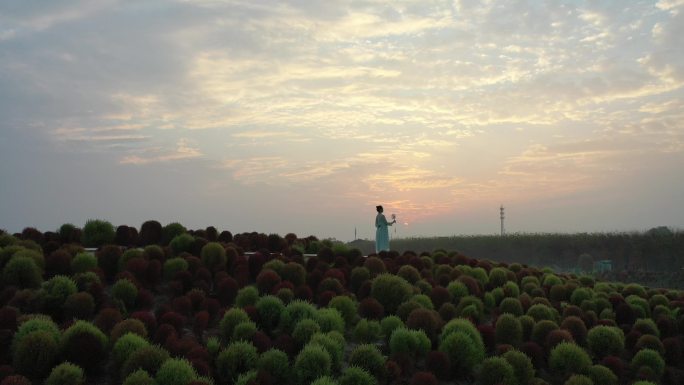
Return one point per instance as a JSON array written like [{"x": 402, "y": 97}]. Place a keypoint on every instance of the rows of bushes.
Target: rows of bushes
[{"x": 187, "y": 309}]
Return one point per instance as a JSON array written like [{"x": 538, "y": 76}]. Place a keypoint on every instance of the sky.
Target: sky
[{"x": 302, "y": 116}]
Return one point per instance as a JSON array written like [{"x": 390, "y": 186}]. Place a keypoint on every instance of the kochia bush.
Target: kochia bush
[
  {"x": 313, "y": 361},
  {"x": 605, "y": 341},
  {"x": 176, "y": 371},
  {"x": 496, "y": 370},
  {"x": 390, "y": 290},
  {"x": 567, "y": 358},
  {"x": 65, "y": 374}
]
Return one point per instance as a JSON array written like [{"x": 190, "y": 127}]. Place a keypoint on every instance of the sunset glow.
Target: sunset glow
[{"x": 302, "y": 116}]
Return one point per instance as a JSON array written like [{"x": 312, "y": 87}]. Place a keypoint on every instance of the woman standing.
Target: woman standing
[{"x": 381, "y": 231}]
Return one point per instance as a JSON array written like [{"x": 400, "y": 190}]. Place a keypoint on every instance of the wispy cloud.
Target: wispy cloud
[{"x": 183, "y": 151}]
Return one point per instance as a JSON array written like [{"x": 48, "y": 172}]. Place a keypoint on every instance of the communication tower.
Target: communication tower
[{"x": 503, "y": 216}]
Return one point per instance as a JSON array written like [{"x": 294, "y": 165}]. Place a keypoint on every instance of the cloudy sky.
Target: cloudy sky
[{"x": 301, "y": 116}]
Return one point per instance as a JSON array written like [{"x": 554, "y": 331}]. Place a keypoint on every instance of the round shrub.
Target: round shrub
[
  {"x": 22, "y": 272},
  {"x": 508, "y": 330},
  {"x": 578, "y": 379},
  {"x": 542, "y": 312},
  {"x": 148, "y": 358},
  {"x": 276, "y": 363},
  {"x": 35, "y": 354},
  {"x": 462, "y": 325},
  {"x": 296, "y": 311},
  {"x": 648, "y": 341},
  {"x": 304, "y": 330},
  {"x": 333, "y": 343},
  {"x": 390, "y": 290},
  {"x": 580, "y": 295},
  {"x": 605, "y": 341},
  {"x": 567, "y": 358},
  {"x": 66, "y": 374},
  {"x": 346, "y": 306},
  {"x": 354, "y": 375},
  {"x": 36, "y": 323},
  {"x": 83, "y": 262},
  {"x": 541, "y": 330},
  {"x": 522, "y": 366},
  {"x": 173, "y": 266},
  {"x": 248, "y": 295},
  {"x": 126, "y": 346},
  {"x": 512, "y": 306},
  {"x": 389, "y": 324},
  {"x": 97, "y": 232},
  {"x": 646, "y": 326},
  {"x": 496, "y": 370},
  {"x": 237, "y": 358},
  {"x": 182, "y": 243},
  {"x": 294, "y": 273},
  {"x": 79, "y": 305},
  {"x": 457, "y": 290},
  {"x": 269, "y": 308},
  {"x": 231, "y": 318},
  {"x": 175, "y": 371},
  {"x": 15, "y": 380},
  {"x": 651, "y": 359},
  {"x": 213, "y": 256},
  {"x": 330, "y": 319},
  {"x": 84, "y": 345},
  {"x": 368, "y": 357},
  {"x": 407, "y": 342},
  {"x": 601, "y": 375},
  {"x": 139, "y": 377},
  {"x": 266, "y": 280},
  {"x": 576, "y": 327},
  {"x": 132, "y": 325},
  {"x": 464, "y": 353},
  {"x": 58, "y": 288},
  {"x": 409, "y": 273},
  {"x": 313, "y": 361},
  {"x": 125, "y": 291}
]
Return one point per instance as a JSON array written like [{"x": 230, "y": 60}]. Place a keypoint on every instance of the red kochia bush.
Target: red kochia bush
[
  {"x": 267, "y": 280},
  {"x": 261, "y": 341},
  {"x": 200, "y": 322},
  {"x": 212, "y": 306},
  {"x": 15, "y": 380},
  {"x": 438, "y": 363},
  {"x": 164, "y": 333},
  {"x": 174, "y": 319},
  {"x": 8, "y": 318},
  {"x": 615, "y": 364},
  {"x": 147, "y": 318},
  {"x": 108, "y": 260},
  {"x": 58, "y": 263},
  {"x": 439, "y": 295},
  {"x": 424, "y": 378},
  {"x": 371, "y": 308},
  {"x": 107, "y": 318},
  {"x": 226, "y": 291}
]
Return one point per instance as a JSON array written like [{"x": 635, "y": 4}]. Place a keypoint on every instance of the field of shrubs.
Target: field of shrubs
[{"x": 170, "y": 306}]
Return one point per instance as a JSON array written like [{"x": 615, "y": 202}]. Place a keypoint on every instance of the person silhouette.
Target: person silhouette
[{"x": 381, "y": 230}]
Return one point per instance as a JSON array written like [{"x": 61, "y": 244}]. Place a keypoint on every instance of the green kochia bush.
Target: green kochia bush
[
  {"x": 496, "y": 370},
  {"x": 148, "y": 358},
  {"x": 247, "y": 296},
  {"x": 313, "y": 361},
  {"x": 605, "y": 341},
  {"x": 333, "y": 343},
  {"x": 390, "y": 290},
  {"x": 83, "y": 262},
  {"x": 176, "y": 371},
  {"x": 22, "y": 272},
  {"x": 38, "y": 322},
  {"x": 304, "y": 330},
  {"x": 125, "y": 291},
  {"x": 294, "y": 312},
  {"x": 97, "y": 232},
  {"x": 125, "y": 346},
  {"x": 238, "y": 357},
  {"x": 269, "y": 308},
  {"x": 508, "y": 330},
  {"x": 330, "y": 319},
  {"x": 173, "y": 266},
  {"x": 182, "y": 243},
  {"x": 84, "y": 344},
  {"x": 367, "y": 331},
  {"x": 230, "y": 320},
  {"x": 346, "y": 306},
  {"x": 139, "y": 377},
  {"x": 275, "y": 363},
  {"x": 410, "y": 342},
  {"x": 353, "y": 375},
  {"x": 368, "y": 357},
  {"x": 522, "y": 366},
  {"x": 567, "y": 358},
  {"x": 214, "y": 256},
  {"x": 578, "y": 379},
  {"x": 35, "y": 354},
  {"x": 66, "y": 374},
  {"x": 464, "y": 348},
  {"x": 601, "y": 375},
  {"x": 651, "y": 359}
]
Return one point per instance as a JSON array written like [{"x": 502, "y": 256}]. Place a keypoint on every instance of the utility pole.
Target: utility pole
[{"x": 503, "y": 231}]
